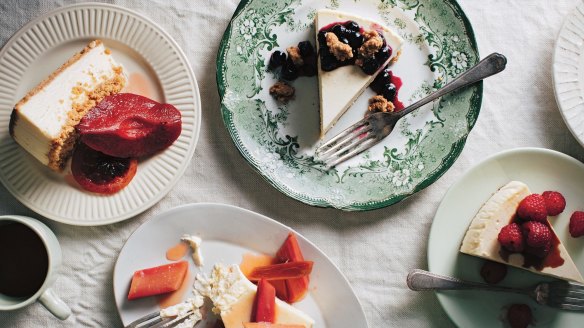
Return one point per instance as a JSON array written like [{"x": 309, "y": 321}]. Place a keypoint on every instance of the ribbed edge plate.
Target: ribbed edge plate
[
  {"x": 568, "y": 72},
  {"x": 49, "y": 194}
]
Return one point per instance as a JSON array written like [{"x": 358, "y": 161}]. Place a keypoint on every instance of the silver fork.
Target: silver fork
[
  {"x": 372, "y": 129},
  {"x": 154, "y": 320},
  {"x": 558, "y": 294}
]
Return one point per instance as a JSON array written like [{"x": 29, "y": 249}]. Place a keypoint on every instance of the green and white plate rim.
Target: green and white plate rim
[{"x": 278, "y": 141}]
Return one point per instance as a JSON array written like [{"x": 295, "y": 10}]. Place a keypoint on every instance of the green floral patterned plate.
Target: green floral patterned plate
[{"x": 279, "y": 140}]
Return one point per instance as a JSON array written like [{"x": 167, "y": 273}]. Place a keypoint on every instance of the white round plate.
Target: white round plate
[
  {"x": 568, "y": 72},
  {"x": 147, "y": 53},
  {"x": 228, "y": 232},
  {"x": 541, "y": 170}
]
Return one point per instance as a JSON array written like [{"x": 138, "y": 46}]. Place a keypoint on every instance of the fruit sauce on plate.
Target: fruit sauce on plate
[
  {"x": 537, "y": 257},
  {"x": 387, "y": 85},
  {"x": 352, "y": 34}
]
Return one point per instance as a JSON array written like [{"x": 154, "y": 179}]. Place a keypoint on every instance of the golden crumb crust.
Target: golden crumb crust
[{"x": 62, "y": 146}]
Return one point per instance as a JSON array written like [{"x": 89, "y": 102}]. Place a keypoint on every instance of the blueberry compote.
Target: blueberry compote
[
  {"x": 387, "y": 85},
  {"x": 289, "y": 70},
  {"x": 352, "y": 34}
]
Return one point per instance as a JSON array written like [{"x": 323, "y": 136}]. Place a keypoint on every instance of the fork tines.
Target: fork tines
[
  {"x": 154, "y": 320},
  {"x": 146, "y": 321},
  {"x": 352, "y": 141},
  {"x": 566, "y": 295}
]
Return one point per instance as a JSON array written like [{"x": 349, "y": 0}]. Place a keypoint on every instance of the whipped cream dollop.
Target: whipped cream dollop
[
  {"x": 195, "y": 244},
  {"x": 224, "y": 287}
]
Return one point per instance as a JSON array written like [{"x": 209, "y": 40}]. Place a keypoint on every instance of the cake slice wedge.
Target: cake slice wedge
[
  {"x": 481, "y": 237},
  {"x": 44, "y": 121},
  {"x": 233, "y": 297},
  {"x": 340, "y": 86}
]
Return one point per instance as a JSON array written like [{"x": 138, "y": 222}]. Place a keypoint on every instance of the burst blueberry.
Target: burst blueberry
[
  {"x": 383, "y": 78},
  {"x": 328, "y": 62},
  {"x": 277, "y": 59},
  {"x": 352, "y": 26},
  {"x": 356, "y": 39},
  {"x": 289, "y": 70},
  {"x": 389, "y": 91},
  {"x": 383, "y": 55},
  {"x": 339, "y": 30},
  {"x": 306, "y": 49},
  {"x": 370, "y": 66}
]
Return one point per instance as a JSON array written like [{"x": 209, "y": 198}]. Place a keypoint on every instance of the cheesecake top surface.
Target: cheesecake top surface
[
  {"x": 48, "y": 105},
  {"x": 481, "y": 238},
  {"x": 340, "y": 87}
]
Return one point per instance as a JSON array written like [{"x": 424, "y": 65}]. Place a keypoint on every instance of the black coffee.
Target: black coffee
[{"x": 24, "y": 261}]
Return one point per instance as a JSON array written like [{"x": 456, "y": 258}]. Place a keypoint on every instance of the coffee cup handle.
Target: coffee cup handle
[{"x": 54, "y": 304}]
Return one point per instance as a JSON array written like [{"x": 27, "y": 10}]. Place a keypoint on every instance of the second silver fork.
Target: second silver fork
[
  {"x": 558, "y": 294},
  {"x": 372, "y": 129}
]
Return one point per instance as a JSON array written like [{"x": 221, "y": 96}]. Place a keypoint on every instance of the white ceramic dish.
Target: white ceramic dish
[
  {"x": 568, "y": 72},
  {"x": 541, "y": 170},
  {"x": 228, "y": 232},
  {"x": 145, "y": 51}
]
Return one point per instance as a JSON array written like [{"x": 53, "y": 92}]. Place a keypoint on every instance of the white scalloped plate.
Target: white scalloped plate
[
  {"x": 228, "y": 232},
  {"x": 145, "y": 51},
  {"x": 568, "y": 72}
]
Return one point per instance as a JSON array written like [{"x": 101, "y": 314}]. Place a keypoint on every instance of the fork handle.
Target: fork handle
[
  {"x": 490, "y": 65},
  {"x": 420, "y": 280}
]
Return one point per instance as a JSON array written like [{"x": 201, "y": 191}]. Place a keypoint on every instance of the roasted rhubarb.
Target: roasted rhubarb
[
  {"x": 158, "y": 280},
  {"x": 264, "y": 306},
  {"x": 296, "y": 288},
  {"x": 282, "y": 271}
]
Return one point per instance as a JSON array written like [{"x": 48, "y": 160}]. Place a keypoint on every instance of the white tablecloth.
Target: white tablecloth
[{"x": 375, "y": 250}]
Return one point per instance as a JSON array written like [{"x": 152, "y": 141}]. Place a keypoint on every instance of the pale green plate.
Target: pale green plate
[
  {"x": 541, "y": 169},
  {"x": 279, "y": 141}
]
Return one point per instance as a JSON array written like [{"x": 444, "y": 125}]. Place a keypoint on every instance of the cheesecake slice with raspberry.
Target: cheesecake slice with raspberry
[{"x": 484, "y": 235}]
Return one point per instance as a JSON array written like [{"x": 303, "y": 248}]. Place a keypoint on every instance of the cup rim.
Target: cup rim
[{"x": 25, "y": 220}]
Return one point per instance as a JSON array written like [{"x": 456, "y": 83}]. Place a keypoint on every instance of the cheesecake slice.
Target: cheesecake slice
[
  {"x": 481, "y": 237},
  {"x": 233, "y": 296},
  {"x": 44, "y": 121},
  {"x": 341, "y": 86}
]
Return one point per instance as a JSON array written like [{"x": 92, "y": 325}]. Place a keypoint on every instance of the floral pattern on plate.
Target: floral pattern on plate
[{"x": 279, "y": 140}]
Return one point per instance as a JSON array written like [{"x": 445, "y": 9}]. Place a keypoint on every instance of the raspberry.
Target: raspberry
[
  {"x": 519, "y": 316},
  {"x": 532, "y": 208},
  {"x": 536, "y": 234},
  {"x": 493, "y": 272},
  {"x": 511, "y": 238},
  {"x": 555, "y": 203},
  {"x": 577, "y": 224}
]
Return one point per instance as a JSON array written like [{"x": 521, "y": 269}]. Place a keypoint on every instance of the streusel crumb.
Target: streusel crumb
[
  {"x": 373, "y": 42},
  {"x": 340, "y": 50},
  {"x": 396, "y": 57},
  {"x": 294, "y": 55},
  {"x": 380, "y": 104},
  {"x": 282, "y": 91}
]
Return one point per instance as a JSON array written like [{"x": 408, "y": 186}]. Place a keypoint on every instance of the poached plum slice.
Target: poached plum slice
[
  {"x": 101, "y": 173},
  {"x": 128, "y": 125}
]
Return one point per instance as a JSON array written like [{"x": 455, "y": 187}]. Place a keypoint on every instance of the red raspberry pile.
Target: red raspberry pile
[{"x": 530, "y": 232}]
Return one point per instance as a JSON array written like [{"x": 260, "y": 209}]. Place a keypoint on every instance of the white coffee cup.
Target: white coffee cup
[{"x": 45, "y": 294}]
